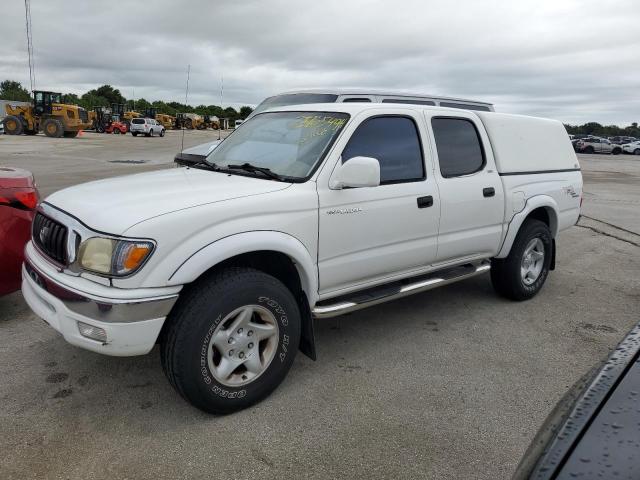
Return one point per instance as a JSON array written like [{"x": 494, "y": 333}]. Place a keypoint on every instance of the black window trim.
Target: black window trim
[
  {"x": 415, "y": 124},
  {"x": 484, "y": 155}
]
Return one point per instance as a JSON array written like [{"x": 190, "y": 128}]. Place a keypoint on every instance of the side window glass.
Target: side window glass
[
  {"x": 357, "y": 100},
  {"x": 395, "y": 142},
  {"x": 459, "y": 148}
]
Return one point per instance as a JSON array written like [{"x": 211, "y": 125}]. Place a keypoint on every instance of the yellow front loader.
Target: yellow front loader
[{"x": 49, "y": 114}]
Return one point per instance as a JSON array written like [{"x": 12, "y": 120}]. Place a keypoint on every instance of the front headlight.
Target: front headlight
[{"x": 113, "y": 257}]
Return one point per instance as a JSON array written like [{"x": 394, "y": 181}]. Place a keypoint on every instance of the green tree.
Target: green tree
[
  {"x": 70, "y": 99},
  {"x": 112, "y": 95},
  {"x": 12, "y": 90},
  {"x": 245, "y": 112}
]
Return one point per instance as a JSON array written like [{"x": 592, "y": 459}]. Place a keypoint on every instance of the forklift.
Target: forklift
[{"x": 47, "y": 113}]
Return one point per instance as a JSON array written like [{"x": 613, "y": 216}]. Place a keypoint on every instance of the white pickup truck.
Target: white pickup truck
[{"x": 304, "y": 212}]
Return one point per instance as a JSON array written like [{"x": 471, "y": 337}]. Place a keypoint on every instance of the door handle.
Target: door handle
[
  {"x": 489, "y": 191},
  {"x": 424, "y": 202}
]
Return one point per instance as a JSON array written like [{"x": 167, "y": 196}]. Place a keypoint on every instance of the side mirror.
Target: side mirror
[{"x": 356, "y": 172}]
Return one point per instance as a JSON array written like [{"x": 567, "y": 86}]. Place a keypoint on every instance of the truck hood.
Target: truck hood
[{"x": 116, "y": 204}]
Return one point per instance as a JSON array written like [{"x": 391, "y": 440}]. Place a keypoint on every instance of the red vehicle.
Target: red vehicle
[
  {"x": 18, "y": 200},
  {"x": 116, "y": 127}
]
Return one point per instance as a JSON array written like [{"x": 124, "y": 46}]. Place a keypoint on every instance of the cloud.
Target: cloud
[{"x": 570, "y": 60}]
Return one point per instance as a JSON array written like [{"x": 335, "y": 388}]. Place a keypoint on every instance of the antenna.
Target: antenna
[
  {"x": 186, "y": 100},
  {"x": 32, "y": 67},
  {"x": 221, "y": 93}
]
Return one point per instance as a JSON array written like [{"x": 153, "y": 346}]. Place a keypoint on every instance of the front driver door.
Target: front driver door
[{"x": 369, "y": 235}]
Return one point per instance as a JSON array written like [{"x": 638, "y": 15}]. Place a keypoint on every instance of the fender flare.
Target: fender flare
[
  {"x": 237, "y": 244},
  {"x": 518, "y": 219}
]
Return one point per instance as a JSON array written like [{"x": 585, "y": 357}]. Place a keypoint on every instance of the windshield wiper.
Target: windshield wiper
[{"x": 254, "y": 168}]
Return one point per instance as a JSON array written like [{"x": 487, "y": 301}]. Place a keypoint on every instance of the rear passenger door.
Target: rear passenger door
[{"x": 471, "y": 194}]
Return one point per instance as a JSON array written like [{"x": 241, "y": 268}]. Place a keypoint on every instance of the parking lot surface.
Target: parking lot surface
[{"x": 451, "y": 383}]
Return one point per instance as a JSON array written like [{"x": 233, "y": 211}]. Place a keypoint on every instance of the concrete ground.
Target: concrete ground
[{"x": 452, "y": 383}]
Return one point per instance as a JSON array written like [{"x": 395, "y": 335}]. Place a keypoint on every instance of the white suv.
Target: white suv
[{"x": 147, "y": 126}]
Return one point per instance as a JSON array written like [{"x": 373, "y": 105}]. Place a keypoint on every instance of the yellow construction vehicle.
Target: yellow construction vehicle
[
  {"x": 49, "y": 114},
  {"x": 167, "y": 121},
  {"x": 130, "y": 115},
  {"x": 190, "y": 121},
  {"x": 211, "y": 121}
]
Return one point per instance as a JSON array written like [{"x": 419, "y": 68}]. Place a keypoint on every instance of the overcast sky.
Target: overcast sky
[{"x": 575, "y": 61}]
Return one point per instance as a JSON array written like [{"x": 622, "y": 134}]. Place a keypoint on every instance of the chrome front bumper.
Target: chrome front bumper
[{"x": 130, "y": 318}]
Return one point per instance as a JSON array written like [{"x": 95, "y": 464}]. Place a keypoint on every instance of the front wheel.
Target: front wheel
[
  {"x": 616, "y": 151},
  {"x": 636, "y": 151},
  {"x": 231, "y": 339},
  {"x": 162, "y": 132},
  {"x": 521, "y": 275}
]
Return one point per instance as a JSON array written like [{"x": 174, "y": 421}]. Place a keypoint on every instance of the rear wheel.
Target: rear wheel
[
  {"x": 135, "y": 134},
  {"x": 13, "y": 125},
  {"x": 522, "y": 273},
  {"x": 636, "y": 151},
  {"x": 616, "y": 151},
  {"x": 162, "y": 132},
  {"x": 149, "y": 133},
  {"x": 589, "y": 150},
  {"x": 53, "y": 127},
  {"x": 231, "y": 339}
]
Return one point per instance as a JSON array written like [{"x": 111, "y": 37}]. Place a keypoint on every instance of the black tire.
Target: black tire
[
  {"x": 100, "y": 128},
  {"x": 135, "y": 134},
  {"x": 116, "y": 131},
  {"x": 589, "y": 150},
  {"x": 191, "y": 325},
  {"x": 70, "y": 134},
  {"x": 616, "y": 151},
  {"x": 13, "y": 125},
  {"x": 162, "y": 132},
  {"x": 52, "y": 127},
  {"x": 506, "y": 274},
  {"x": 636, "y": 151},
  {"x": 149, "y": 133}
]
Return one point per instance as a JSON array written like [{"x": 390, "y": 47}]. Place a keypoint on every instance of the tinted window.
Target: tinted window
[
  {"x": 403, "y": 100},
  {"x": 138, "y": 121},
  {"x": 357, "y": 100},
  {"x": 394, "y": 142},
  {"x": 459, "y": 148},
  {"x": 466, "y": 106}
]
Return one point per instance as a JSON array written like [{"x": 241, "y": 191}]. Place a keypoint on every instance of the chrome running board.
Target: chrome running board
[{"x": 385, "y": 293}]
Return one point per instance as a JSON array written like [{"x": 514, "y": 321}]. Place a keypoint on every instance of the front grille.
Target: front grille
[
  {"x": 84, "y": 116},
  {"x": 51, "y": 237}
]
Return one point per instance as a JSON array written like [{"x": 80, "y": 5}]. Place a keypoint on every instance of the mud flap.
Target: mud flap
[{"x": 307, "y": 338}]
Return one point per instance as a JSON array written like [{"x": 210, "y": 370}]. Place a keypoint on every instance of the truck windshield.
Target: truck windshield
[{"x": 289, "y": 144}]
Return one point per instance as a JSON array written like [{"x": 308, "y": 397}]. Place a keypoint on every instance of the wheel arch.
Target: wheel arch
[
  {"x": 540, "y": 207},
  {"x": 256, "y": 247},
  {"x": 275, "y": 253}
]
